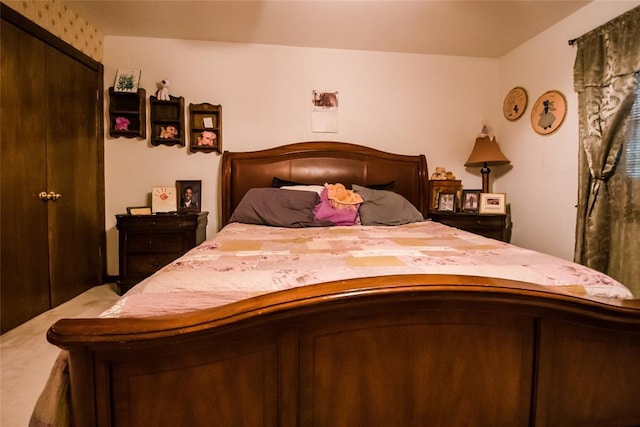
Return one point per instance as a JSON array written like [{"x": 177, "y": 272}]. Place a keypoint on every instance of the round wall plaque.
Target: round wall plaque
[
  {"x": 515, "y": 103},
  {"x": 548, "y": 112}
]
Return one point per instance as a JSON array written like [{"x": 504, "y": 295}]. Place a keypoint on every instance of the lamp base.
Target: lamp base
[{"x": 485, "y": 178}]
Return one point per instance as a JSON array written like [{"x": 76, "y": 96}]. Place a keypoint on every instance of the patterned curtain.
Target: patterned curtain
[{"x": 608, "y": 218}]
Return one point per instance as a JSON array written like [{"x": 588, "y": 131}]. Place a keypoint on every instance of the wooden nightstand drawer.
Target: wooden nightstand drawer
[
  {"x": 476, "y": 222},
  {"x": 488, "y": 225},
  {"x": 149, "y": 242},
  {"x": 156, "y": 242},
  {"x": 155, "y": 222},
  {"x": 146, "y": 265}
]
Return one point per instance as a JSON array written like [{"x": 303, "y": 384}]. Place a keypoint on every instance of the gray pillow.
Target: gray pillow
[
  {"x": 278, "y": 208},
  {"x": 382, "y": 207}
]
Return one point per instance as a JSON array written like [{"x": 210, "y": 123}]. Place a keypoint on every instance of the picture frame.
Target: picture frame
[
  {"x": 189, "y": 196},
  {"x": 163, "y": 199},
  {"x": 139, "y": 210},
  {"x": 493, "y": 203},
  {"x": 437, "y": 186},
  {"x": 446, "y": 202},
  {"x": 471, "y": 200},
  {"x": 548, "y": 112},
  {"x": 127, "y": 80}
]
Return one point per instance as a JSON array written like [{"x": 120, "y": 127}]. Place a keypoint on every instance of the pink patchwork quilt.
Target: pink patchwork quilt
[
  {"x": 248, "y": 260},
  {"x": 245, "y": 260}
]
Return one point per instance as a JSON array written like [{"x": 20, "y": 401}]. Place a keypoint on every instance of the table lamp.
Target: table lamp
[{"x": 486, "y": 152}]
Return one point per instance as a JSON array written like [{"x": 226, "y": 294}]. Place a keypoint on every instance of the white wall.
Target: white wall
[
  {"x": 542, "y": 186},
  {"x": 403, "y": 103}
]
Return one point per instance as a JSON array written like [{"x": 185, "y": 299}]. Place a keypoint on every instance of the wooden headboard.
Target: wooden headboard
[{"x": 320, "y": 162}]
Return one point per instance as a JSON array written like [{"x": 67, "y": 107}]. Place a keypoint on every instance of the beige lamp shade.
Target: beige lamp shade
[{"x": 486, "y": 152}]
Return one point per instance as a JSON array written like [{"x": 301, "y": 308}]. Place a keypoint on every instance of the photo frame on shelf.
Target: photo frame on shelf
[
  {"x": 493, "y": 203},
  {"x": 548, "y": 112},
  {"x": 471, "y": 200},
  {"x": 163, "y": 199},
  {"x": 127, "y": 80},
  {"x": 446, "y": 202},
  {"x": 139, "y": 210},
  {"x": 189, "y": 196}
]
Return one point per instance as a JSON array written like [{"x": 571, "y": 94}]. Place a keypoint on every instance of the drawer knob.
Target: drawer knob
[{"x": 155, "y": 264}]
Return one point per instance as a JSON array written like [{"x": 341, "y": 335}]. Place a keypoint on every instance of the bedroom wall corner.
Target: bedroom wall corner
[{"x": 542, "y": 186}]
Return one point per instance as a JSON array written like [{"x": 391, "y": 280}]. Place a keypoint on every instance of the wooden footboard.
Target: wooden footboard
[{"x": 403, "y": 350}]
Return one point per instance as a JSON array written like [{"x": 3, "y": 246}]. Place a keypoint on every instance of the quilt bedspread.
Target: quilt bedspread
[{"x": 244, "y": 260}]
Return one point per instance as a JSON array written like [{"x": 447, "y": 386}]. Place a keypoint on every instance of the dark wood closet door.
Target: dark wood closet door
[
  {"x": 74, "y": 159},
  {"x": 23, "y": 216},
  {"x": 52, "y": 142}
]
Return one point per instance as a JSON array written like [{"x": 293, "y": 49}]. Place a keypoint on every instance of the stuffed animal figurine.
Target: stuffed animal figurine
[
  {"x": 168, "y": 132},
  {"x": 163, "y": 93},
  {"x": 122, "y": 123},
  {"x": 206, "y": 138}
]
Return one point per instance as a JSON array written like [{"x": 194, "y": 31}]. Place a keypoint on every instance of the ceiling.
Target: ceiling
[{"x": 479, "y": 28}]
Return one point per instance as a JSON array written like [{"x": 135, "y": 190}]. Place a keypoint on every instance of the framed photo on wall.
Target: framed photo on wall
[
  {"x": 493, "y": 203},
  {"x": 471, "y": 200},
  {"x": 189, "y": 196}
]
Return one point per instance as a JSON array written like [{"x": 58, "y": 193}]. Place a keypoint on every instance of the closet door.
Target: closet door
[
  {"x": 51, "y": 143},
  {"x": 23, "y": 216},
  {"x": 74, "y": 158}
]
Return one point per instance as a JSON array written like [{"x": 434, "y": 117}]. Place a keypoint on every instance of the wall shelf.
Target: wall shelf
[
  {"x": 127, "y": 114},
  {"x": 167, "y": 121},
  {"x": 205, "y": 121}
]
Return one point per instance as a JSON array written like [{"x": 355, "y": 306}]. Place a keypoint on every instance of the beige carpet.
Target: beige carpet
[{"x": 26, "y": 357}]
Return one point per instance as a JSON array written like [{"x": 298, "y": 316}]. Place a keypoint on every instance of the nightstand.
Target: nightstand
[
  {"x": 493, "y": 226},
  {"x": 149, "y": 242}
]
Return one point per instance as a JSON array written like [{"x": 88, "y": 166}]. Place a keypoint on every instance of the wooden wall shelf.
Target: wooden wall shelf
[
  {"x": 131, "y": 107},
  {"x": 167, "y": 121},
  {"x": 205, "y": 121}
]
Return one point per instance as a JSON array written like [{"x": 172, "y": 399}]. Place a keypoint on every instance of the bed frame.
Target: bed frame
[{"x": 440, "y": 350}]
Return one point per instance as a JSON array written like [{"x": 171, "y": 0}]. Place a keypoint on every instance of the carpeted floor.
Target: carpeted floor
[{"x": 26, "y": 357}]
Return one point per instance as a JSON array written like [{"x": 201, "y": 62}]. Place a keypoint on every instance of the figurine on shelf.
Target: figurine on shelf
[
  {"x": 206, "y": 138},
  {"x": 168, "y": 132},
  {"x": 122, "y": 123},
  {"x": 441, "y": 174},
  {"x": 163, "y": 93}
]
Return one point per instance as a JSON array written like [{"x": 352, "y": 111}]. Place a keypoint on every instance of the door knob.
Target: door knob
[{"x": 52, "y": 195}]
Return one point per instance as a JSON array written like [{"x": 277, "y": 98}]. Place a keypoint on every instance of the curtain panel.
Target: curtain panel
[{"x": 606, "y": 80}]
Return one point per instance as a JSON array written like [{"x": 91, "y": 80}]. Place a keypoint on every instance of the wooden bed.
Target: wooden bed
[{"x": 411, "y": 350}]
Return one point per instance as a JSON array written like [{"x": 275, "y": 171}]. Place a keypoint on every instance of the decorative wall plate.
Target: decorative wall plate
[
  {"x": 515, "y": 103},
  {"x": 548, "y": 112}
]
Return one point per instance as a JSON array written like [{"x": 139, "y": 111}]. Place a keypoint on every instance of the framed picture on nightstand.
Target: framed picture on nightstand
[
  {"x": 471, "y": 200},
  {"x": 163, "y": 199},
  {"x": 446, "y": 202},
  {"x": 189, "y": 193},
  {"x": 493, "y": 203}
]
